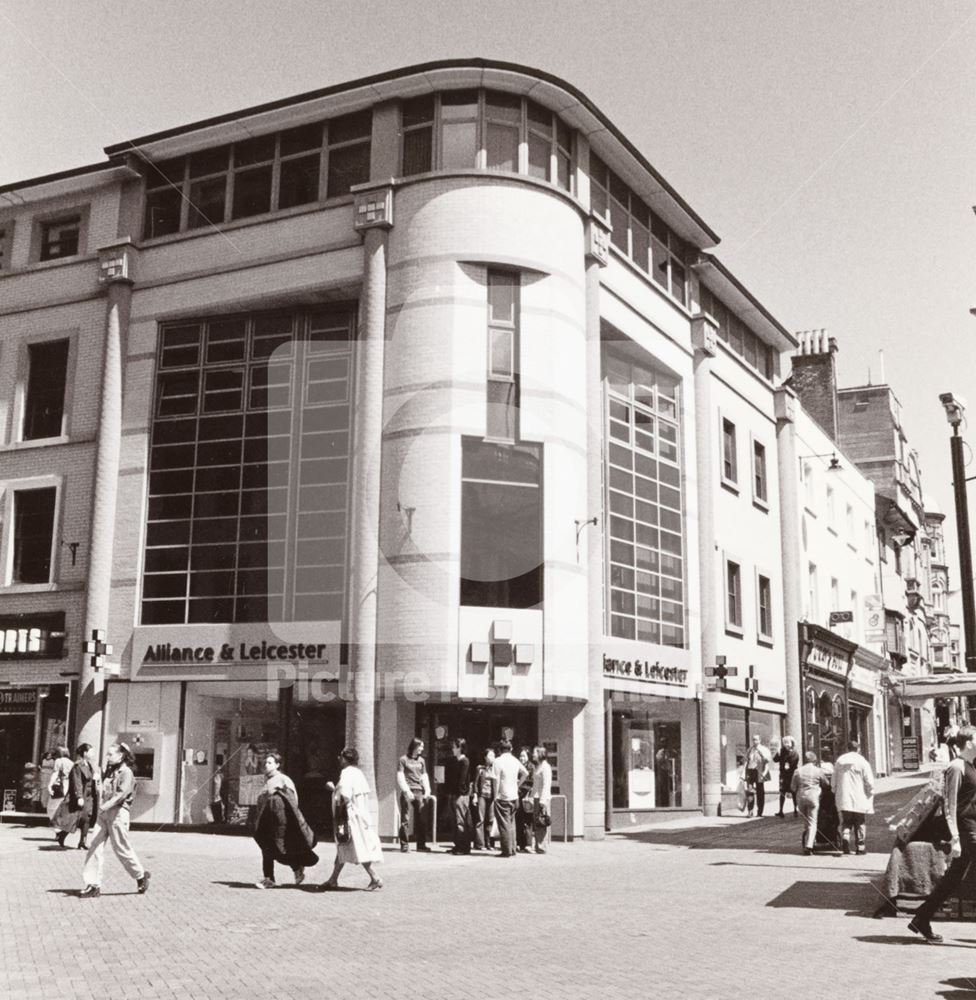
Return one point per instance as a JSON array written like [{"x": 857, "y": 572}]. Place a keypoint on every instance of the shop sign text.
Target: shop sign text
[
  {"x": 823, "y": 659},
  {"x": 643, "y": 670},
  {"x": 241, "y": 652}
]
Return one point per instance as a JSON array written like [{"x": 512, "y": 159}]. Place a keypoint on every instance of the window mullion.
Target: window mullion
[
  {"x": 324, "y": 165},
  {"x": 276, "y": 174}
]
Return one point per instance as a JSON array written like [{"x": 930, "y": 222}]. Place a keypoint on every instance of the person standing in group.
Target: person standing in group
[
  {"x": 459, "y": 796},
  {"x": 757, "y": 771},
  {"x": 806, "y": 786},
  {"x": 279, "y": 826},
  {"x": 115, "y": 800},
  {"x": 414, "y": 786},
  {"x": 541, "y": 799},
  {"x": 788, "y": 760},
  {"x": 57, "y": 786},
  {"x": 853, "y": 785},
  {"x": 959, "y": 797},
  {"x": 79, "y": 807},
  {"x": 524, "y": 812},
  {"x": 509, "y": 772},
  {"x": 357, "y": 842},
  {"x": 483, "y": 800}
]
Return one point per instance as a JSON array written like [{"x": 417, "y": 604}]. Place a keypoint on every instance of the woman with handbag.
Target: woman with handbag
[
  {"x": 357, "y": 842},
  {"x": 57, "y": 786},
  {"x": 542, "y": 799},
  {"x": 526, "y": 806}
]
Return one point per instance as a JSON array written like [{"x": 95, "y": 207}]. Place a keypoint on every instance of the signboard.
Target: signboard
[
  {"x": 18, "y": 701},
  {"x": 874, "y": 619},
  {"x": 32, "y": 636},
  {"x": 839, "y": 617},
  {"x": 9, "y": 800},
  {"x": 823, "y": 659},
  {"x": 644, "y": 670},
  {"x": 910, "y": 753}
]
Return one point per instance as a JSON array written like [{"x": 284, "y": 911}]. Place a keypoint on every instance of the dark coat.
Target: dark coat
[
  {"x": 280, "y": 827},
  {"x": 789, "y": 761},
  {"x": 81, "y": 785}
]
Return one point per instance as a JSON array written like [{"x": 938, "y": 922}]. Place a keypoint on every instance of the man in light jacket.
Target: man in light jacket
[{"x": 853, "y": 785}]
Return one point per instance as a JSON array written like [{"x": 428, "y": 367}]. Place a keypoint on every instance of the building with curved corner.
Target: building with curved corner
[{"x": 415, "y": 406}]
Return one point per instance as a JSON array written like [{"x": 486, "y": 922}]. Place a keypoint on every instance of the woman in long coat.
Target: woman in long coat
[
  {"x": 280, "y": 828},
  {"x": 357, "y": 842},
  {"x": 79, "y": 807},
  {"x": 57, "y": 786}
]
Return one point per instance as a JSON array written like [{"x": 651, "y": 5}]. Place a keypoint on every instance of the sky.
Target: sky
[{"x": 830, "y": 144}]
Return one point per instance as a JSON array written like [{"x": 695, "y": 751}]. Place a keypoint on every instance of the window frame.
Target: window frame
[
  {"x": 7, "y": 227},
  {"x": 8, "y": 490},
  {"x": 734, "y": 602},
  {"x": 24, "y": 387},
  {"x": 764, "y": 636},
  {"x": 42, "y": 221},
  {"x": 730, "y": 482},
  {"x": 760, "y": 498}
]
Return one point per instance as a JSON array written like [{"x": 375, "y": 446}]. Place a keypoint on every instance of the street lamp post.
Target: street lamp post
[{"x": 955, "y": 409}]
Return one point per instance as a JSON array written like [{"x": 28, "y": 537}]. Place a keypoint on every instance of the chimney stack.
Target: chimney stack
[{"x": 814, "y": 377}]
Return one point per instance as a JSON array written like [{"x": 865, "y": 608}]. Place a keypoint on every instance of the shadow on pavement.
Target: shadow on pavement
[
  {"x": 855, "y": 898},
  {"x": 771, "y": 834},
  {"x": 906, "y": 939},
  {"x": 963, "y": 988},
  {"x": 77, "y": 893}
]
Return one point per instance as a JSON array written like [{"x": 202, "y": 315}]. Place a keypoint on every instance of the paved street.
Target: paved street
[{"x": 727, "y": 909}]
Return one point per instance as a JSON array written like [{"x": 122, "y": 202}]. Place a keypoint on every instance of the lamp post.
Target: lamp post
[{"x": 955, "y": 409}]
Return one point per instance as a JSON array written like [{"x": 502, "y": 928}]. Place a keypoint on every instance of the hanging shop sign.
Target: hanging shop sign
[
  {"x": 32, "y": 637},
  {"x": 823, "y": 659},
  {"x": 644, "y": 670}
]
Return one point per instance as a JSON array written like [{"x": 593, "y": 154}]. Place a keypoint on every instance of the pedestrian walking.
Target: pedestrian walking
[
  {"x": 788, "y": 760},
  {"x": 756, "y": 773},
  {"x": 57, "y": 785},
  {"x": 541, "y": 799},
  {"x": 525, "y": 810},
  {"x": 959, "y": 795},
  {"x": 79, "y": 807},
  {"x": 853, "y": 785},
  {"x": 459, "y": 796},
  {"x": 280, "y": 828},
  {"x": 414, "y": 786},
  {"x": 114, "y": 802},
  {"x": 509, "y": 772},
  {"x": 483, "y": 801},
  {"x": 357, "y": 842},
  {"x": 806, "y": 786}
]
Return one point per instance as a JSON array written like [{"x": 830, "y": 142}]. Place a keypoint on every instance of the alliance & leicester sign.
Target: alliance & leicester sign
[
  {"x": 302, "y": 652},
  {"x": 644, "y": 670}
]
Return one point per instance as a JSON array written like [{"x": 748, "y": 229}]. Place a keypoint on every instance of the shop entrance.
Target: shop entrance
[
  {"x": 482, "y": 727},
  {"x": 16, "y": 751}
]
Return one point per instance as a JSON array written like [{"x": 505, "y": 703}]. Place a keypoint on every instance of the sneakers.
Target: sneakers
[
  {"x": 265, "y": 883},
  {"x": 923, "y": 927},
  {"x": 299, "y": 876},
  {"x": 143, "y": 884},
  {"x": 90, "y": 892}
]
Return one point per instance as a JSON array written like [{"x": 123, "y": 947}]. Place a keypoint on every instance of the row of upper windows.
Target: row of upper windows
[{"x": 54, "y": 237}]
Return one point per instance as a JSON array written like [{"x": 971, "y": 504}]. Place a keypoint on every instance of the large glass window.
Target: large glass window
[
  {"x": 258, "y": 175},
  {"x": 46, "y": 381},
  {"x": 464, "y": 129},
  {"x": 737, "y": 336},
  {"x": 248, "y": 470},
  {"x": 649, "y": 767},
  {"x": 644, "y": 510},
  {"x": 501, "y": 524}
]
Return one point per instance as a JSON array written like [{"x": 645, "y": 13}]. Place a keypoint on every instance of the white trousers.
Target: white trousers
[{"x": 114, "y": 827}]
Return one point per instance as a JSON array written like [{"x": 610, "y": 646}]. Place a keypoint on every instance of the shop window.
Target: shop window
[
  {"x": 647, "y": 756},
  {"x": 503, "y": 350},
  {"x": 60, "y": 237},
  {"x": 33, "y": 534},
  {"x": 258, "y": 175},
  {"x": 730, "y": 465},
  {"x": 501, "y": 525},
  {"x": 46, "y": 382},
  {"x": 467, "y": 129},
  {"x": 760, "y": 483},
  {"x": 249, "y": 462},
  {"x": 644, "y": 514},
  {"x": 733, "y": 596}
]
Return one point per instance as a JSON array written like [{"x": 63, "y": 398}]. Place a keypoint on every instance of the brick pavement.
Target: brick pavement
[{"x": 728, "y": 910}]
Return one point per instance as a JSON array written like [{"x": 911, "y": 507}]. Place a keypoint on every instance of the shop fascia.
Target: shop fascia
[{"x": 647, "y": 669}]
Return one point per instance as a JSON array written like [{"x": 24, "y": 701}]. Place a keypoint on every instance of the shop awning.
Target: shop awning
[{"x": 918, "y": 689}]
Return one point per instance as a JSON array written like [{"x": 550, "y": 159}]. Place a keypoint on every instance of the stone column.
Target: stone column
[
  {"x": 374, "y": 210},
  {"x": 703, "y": 334},
  {"x": 115, "y": 266},
  {"x": 594, "y": 777},
  {"x": 789, "y": 515}
]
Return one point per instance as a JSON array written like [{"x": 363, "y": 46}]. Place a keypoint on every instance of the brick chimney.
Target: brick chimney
[{"x": 814, "y": 378}]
